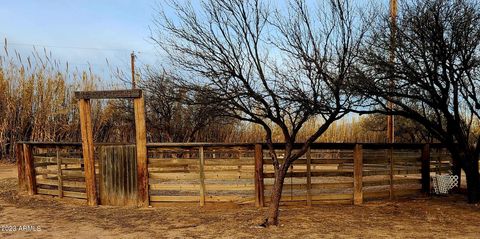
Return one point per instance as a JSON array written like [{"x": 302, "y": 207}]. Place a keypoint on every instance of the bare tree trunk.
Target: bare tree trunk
[
  {"x": 463, "y": 159},
  {"x": 273, "y": 212},
  {"x": 473, "y": 179}
]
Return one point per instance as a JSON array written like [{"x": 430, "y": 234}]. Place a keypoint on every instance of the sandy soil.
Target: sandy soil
[{"x": 438, "y": 217}]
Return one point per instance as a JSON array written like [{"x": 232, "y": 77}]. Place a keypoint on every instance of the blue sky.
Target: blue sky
[
  {"x": 121, "y": 25},
  {"x": 112, "y": 27}
]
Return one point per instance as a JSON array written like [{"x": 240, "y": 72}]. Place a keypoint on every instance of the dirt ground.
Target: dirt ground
[{"x": 47, "y": 217}]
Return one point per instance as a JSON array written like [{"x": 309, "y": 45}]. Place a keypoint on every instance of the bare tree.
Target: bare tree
[
  {"x": 174, "y": 117},
  {"x": 406, "y": 130},
  {"x": 267, "y": 65},
  {"x": 435, "y": 75}
]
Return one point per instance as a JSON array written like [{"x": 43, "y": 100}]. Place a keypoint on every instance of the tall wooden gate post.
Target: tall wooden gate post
[
  {"x": 22, "y": 184},
  {"x": 141, "y": 147},
  {"x": 426, "y": 168},
  {"x": 357, "y": 175},
  {"x": 259, "y": 184},
  {"x": 29, "y": 169},
  {"x": 88, "y": 151}
]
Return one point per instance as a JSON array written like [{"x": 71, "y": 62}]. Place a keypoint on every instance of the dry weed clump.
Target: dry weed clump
[{"x": 36, "y": 99}]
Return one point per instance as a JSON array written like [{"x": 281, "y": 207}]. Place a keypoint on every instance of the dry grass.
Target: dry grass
[{"x": 36, "y": 98}]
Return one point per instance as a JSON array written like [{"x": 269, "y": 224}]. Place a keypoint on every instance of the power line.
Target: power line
[
  {"x": 68, "y": 47},
  {"x": 108, "y": 65},
  {"x": 75, "y": 47}
]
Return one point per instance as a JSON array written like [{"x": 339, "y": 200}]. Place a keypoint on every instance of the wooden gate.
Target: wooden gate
[{"x": 118, "y": 175}]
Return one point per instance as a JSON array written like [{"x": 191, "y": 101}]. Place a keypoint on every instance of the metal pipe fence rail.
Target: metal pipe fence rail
[{"x": 201, "y": 173}]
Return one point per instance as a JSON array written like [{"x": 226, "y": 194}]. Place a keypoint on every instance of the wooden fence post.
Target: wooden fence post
[
  {"x": 59, "y": 174},
  {"x": 392, "y": 180},
  {"x": 88, "y": 151},
  {"x": 259, "y": 184},
  {"x": 426, "y": 168},
  {"x": 357, "y": 174},
  {"x": 29, "y": 170},
  {"x": 202, "y": 177},
  {"x": 141, "y": 149},
  {"x": 309, "y": 177},
  {"x": 22, "y": 184}
]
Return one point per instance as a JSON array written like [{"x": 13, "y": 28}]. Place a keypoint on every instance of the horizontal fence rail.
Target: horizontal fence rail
[{"x": 201, "y": 173}]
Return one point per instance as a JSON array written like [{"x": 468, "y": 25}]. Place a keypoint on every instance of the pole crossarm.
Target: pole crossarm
[{"x": 109, "y": 94}]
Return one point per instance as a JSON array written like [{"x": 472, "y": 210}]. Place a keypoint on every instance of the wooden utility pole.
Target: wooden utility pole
[
  {"x": 390, "y": 118},
  {"x": 132, "y": 61},
  {"x": 393, "y": 19}
]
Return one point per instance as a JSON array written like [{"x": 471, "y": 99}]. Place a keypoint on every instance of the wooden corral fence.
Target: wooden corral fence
[{"x": 240, "y": 173}]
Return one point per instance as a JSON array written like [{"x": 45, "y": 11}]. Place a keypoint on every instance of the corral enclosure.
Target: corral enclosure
[{"x": 199, "y": 173}]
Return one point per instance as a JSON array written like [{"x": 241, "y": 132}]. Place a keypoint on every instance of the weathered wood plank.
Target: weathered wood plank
[
  {"x": 336, "y": 202},
  {"x": 314, "y": 186},
  {"x": 167, "y": 164},
  {"x": 75, "y": 194},
  {"x": 155, "y": 198},
  {"x": 318, "y": 161},
  {"x": 65, "y": 160},
  {"x": 339, "y": 196},
  {"x": 229, "y": 187},
  {"x": 109, "y": 94},
  {"x": 228, "y": 175},
  {"x": 174, "y": 176},
  {"x": 66, "y": 193},
  {"x": 43, "y": 171},
  {"x": 396, "y": 181},
  {"x": 320, "y": 197},
  {"x": 336, "y": 185},
  {"x": 175, "y": 187},
  {"x": 316, "y": 173},
  {"x": 53, "y": 182},
  {"x": 387, "y": 172},
  {"x": 230, "y": 198}
]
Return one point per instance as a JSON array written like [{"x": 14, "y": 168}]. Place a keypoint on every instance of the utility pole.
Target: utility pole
[
  {"x": 393, "y": 33},
  {"x": 132, "y": 61},
  {"x": 390, "y": 118}
]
